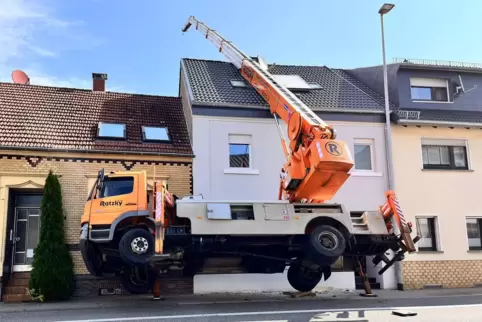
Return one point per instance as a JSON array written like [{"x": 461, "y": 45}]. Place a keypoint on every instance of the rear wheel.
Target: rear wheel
[
  {"x": 303, "y": 279},
  {"x": 325, "y": 244},
  {"x": 136, "y": 246}
]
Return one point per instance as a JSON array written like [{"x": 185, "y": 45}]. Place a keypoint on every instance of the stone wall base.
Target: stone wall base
[{"x": 442, "y": 274}]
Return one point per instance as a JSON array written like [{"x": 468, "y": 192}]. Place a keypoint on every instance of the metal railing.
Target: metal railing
[
  {"x": 409, "y": 115},
  {"x": 432, "y": 62}
]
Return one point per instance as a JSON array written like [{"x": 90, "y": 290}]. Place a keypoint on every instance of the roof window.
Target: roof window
[
  {"x": 111, "y": 130},
  {"x": 238, "y": 83},
  {"x": 296, "y": 83},
  {"x": 155, "y": 133}
]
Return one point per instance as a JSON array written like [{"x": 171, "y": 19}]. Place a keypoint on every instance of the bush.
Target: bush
[{"x": 52, "y": 276}]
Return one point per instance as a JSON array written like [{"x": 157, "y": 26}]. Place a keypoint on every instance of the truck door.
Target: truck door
[{"x": 117, "y": 197}]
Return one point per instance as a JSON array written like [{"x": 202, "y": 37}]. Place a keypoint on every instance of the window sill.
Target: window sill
[
  {"x": 241, "y": 171},
  {"x": 432, "y": 102},
  {"x": 474, "y": 251},
  {"x": 366, "y": 174},
  {"x": 449, "y": 170},
  {"x": 430, "y": 251}
]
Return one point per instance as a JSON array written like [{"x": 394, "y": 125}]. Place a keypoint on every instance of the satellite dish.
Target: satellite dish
[{"x": 19, "y": 77}]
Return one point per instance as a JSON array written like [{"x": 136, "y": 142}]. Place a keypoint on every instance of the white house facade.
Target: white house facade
[{"x": 238, "y": 152}]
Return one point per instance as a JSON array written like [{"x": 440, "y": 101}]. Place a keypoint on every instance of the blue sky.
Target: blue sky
[{"x": 139, "y": 44}]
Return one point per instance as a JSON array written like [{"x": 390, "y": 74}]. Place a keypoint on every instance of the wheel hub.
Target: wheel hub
[
  {"x": 139, "y": 245},
  {"x": 328, "y": 240}
]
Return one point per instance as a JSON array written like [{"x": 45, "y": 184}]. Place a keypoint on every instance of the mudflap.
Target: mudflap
[{"x": 326, "y": 272}]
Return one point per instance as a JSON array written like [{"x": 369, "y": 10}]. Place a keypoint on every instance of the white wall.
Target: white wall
[
  {"x": 362, "y": 191},
  {"x": 259, "y": 283}
]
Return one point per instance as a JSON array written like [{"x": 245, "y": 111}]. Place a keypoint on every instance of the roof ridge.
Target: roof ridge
[{"x": 85, "y": 90}]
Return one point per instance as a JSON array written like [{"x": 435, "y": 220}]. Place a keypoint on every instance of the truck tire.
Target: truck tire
[
  {"x": 325, "y": 244},
  {"x": 136, "y": 246},
  {"x": 92, "y": 259},
  {"x": 303, "y": 280},
  {"x": 138, "y": 279}
]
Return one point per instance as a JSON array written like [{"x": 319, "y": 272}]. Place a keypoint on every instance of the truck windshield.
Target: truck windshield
[{"x": 116, "y": 186}]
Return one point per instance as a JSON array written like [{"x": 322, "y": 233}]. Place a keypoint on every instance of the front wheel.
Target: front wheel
[{"x": 136, "y": 246}]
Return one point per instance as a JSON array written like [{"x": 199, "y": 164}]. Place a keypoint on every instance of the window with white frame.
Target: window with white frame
[
  {"x": 239, "y": 151},
  {"x": 155, "y": 133},
  {"x": 445, "y": 154},
  {"x": 363, "y": 154},
  {"x": 111, "y": 130},
  {"x": 427, "y": 229},
  {"x": 474, "y": 229},
  {"x": 429, "y": 89}
]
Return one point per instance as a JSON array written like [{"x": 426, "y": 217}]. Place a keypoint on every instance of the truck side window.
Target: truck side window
[{"x": 117, "y": 186}]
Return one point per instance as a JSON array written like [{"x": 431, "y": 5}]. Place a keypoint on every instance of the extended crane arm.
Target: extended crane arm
[{"x": 317, "y": 165}]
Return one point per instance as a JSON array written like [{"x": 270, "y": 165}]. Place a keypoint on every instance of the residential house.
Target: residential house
[
  {"x": 75, "y": 133},
  {"x": 437, "y": 144},
  {"x": 239, "y": 153}
]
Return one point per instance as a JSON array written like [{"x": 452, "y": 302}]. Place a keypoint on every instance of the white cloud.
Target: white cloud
[{"x": 30, "y": 32}]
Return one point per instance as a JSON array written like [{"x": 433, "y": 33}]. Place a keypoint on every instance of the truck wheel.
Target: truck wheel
[
  {"x": 301, "y": 279},
  {"x": 138, "y": 279},
  {"x": 136, "y": 246},
  {"x": 92, "y": 259},
  {"x": 325, "y": 244}
]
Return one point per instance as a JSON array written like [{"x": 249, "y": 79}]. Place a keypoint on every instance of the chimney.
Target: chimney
[{"x": 98, "y": 82}]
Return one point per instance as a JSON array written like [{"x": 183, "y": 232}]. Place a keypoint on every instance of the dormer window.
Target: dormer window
[
  {"x": 429, "y": 89},
  {"x": 155, "y": 133},
  {"x": 111, "y": 130}
]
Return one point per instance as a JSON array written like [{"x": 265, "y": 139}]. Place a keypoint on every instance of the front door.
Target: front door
[{"x": 25, "y": 234}]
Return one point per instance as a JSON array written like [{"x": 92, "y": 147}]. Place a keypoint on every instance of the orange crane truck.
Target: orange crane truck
[{"x": 301, "y": 231}]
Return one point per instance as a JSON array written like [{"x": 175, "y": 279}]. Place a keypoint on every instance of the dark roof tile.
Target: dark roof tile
[{"x": 210, "y": 84}]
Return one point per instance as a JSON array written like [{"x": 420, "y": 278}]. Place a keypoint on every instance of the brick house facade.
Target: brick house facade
[{"x": 49, "y": 128}]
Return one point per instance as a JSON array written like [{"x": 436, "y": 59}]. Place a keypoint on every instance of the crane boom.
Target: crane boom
[{"x": 317, "y": 164}]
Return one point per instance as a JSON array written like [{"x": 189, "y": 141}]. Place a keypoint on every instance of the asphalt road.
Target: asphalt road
[{"x": 448, "y": 308}]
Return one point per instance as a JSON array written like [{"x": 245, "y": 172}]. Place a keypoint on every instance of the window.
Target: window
[
  {"x": 240, "y": 151},
  {"x": 153, "y": 133},
  {"x": 363, "y": 155},
  {"x": 111, "y": 130},
  {"x": 238, "y": 83},
  {"x": 474, "y": 227},
  {"x": 429, "y": 89},
  {"x": 315, "y": 85},
  {"x": 444, "y": 154},
  {"x": 426, "y": 228},
  {"x": 116, "y": 186},
  {"x": 293, "y": 82}
]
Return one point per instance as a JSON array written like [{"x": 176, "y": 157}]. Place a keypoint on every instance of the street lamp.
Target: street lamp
[{"x": 384, "y": 9}]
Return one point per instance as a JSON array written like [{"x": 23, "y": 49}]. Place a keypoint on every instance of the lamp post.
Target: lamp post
[{"x": 384, "y": 9}]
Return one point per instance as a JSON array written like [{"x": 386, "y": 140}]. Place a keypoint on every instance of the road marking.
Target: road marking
[
  {"x": 207, "y": 315},
  {"x": 227, "y": 302}
]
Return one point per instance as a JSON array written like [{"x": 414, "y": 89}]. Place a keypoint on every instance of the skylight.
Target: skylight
[
  {"x": 238, "y": 83},
  {"x": 154, "y": 133},
  {"x": 293, "y": 82},
  {"x": 111, "y": 130}
]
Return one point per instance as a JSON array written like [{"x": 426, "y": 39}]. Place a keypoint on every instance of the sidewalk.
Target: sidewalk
[{"x": 180, "y": 300}]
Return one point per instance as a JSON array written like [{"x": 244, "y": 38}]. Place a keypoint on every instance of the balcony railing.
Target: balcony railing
[
  {"x": 442, "y": 63},
  {"x": 409, "y": 115}
]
